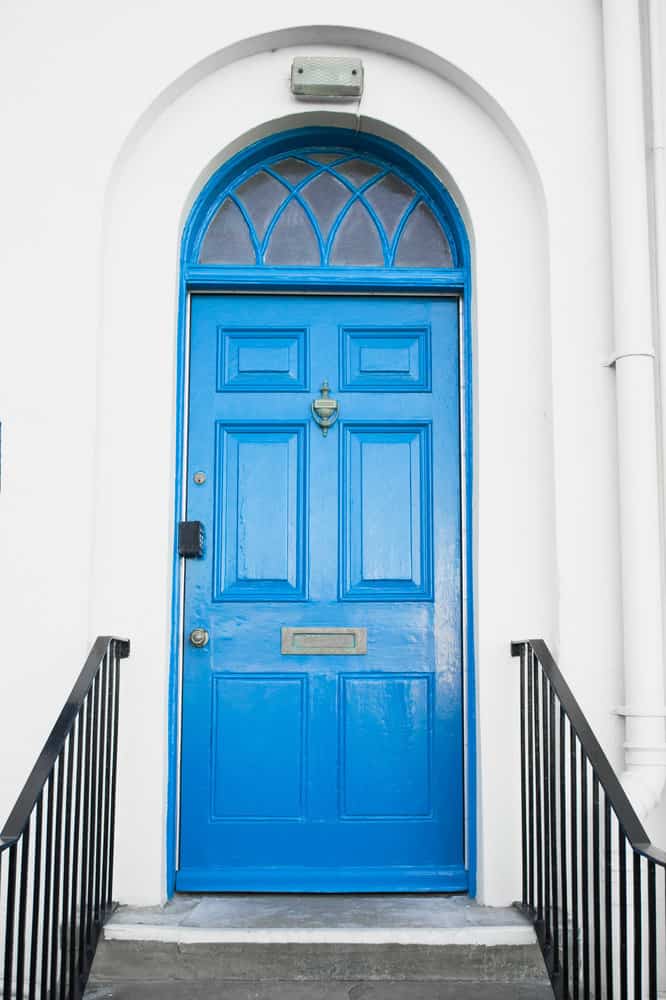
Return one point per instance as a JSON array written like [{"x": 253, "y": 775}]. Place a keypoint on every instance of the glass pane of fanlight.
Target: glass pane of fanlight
[
  {"x": 261, "y": 195},
  {"x": 293, "y": 241},
  {"x": 293, "y": 170},
  {"x": 228, "y": 238},
  {"x": 358, "y": 171},
  {"x": 390, "y": 197},
  {"x": 326, "y": 196},
  {"x": 357, "y": 243},
  {"x": 326, "y": 157},
  {"x": 423, "y": 242}
]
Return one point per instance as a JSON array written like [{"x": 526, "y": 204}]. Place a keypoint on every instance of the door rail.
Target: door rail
[
  {"x": 56, "y": 848},
  {"x": 590, "y": 876}
]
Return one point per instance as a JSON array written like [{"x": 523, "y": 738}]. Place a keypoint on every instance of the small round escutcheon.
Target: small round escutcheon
[
  {"x": 199, "y": 478},
  {"x": 199, "y": 637}
]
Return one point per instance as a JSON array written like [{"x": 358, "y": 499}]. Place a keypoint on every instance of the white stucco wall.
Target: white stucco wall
[{"x": 113, "y": 116}]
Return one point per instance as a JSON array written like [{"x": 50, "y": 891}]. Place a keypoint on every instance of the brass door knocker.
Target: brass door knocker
[{"x": 324, "y": 410}]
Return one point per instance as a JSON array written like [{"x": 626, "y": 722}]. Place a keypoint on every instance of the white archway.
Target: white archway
[{"x": 194, "y": 126}]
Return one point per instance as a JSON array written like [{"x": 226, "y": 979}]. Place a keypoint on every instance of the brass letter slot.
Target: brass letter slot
[{"x": 305, "y": 641}]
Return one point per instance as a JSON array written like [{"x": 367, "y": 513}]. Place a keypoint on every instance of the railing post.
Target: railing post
[
  {"x": 539, "y": 807},
  {"x": 523, "y": 778},
  {"x": 530, "y": 750}
]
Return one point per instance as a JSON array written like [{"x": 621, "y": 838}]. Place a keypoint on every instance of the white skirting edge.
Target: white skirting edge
[{"x": 509, "y": 934}]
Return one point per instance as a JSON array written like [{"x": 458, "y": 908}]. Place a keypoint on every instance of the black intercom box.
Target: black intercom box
[{"x": 191, "y": 539}]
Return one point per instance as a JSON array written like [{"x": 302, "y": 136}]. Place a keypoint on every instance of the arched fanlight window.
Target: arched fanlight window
[{"x": 326, "y": 208}]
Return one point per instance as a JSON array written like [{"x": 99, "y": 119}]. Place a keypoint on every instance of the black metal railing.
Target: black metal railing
[
  {"x": 592, "y": 882},
  {"x": 56, "y": 848}
]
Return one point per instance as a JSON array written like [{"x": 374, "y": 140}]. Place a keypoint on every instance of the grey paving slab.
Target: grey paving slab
[
  {"x": 281, "y": 990},
  {"x": 320, "y": 911}
]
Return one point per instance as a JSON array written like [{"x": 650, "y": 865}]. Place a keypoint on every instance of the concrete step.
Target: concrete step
[
  {"x": 286, "y": 990},
  {"x": 349, "y": 940}
]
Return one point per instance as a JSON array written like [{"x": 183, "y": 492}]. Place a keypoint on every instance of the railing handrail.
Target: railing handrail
[
  {"x": 20, "y": 814},
  {"x": 608, "y": 779}
]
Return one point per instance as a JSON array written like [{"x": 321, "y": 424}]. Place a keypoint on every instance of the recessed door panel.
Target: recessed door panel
[
  {"x": 322, "y": 736},
  {"x": 258, "y": 727},
  {"x": 386, "y": 734}
]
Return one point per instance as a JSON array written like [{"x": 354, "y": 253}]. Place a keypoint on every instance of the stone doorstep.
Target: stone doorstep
[
  {"x": 340, "y": 938},
  {"x": 322, "y": 919}
]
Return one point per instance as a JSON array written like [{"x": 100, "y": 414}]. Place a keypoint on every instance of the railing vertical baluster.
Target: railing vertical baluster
[
  {"x": 36, "y": 894},
  {"x": 523, "y": 780},
  {"x": 2, "y": 925},
  {"x": 66, "y": 871},
  {"x": 575, "y": 929},
  {"x": 585, "y": 874},
  {"x": 57, "y": 863},
  {"x": 83, "y": 941},
  {"x": 652, "y": 930},
  {"x": 563, "y": 857},
  {"x": 608, "y": 898},
  {"x": 76, "y": 861},
  {"x": 10, "y": 923},
  {"x": 546, "y": 810},
  {"x": 596, "y": 883},
  {"x": 530, "y": 783},
  {"x": 539, "y": 807},
  {"x": 638, "y": 929},
  {"x": 624, "y": 953},
  {"x": 94, "y": 816},
  {"x": 22, "y": 912},
  {"x": 48, "y": 864},
  {"x": 552, "y": 772}
]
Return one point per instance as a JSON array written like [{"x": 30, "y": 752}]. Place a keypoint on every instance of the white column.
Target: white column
[{"x": 640, "y": 521}]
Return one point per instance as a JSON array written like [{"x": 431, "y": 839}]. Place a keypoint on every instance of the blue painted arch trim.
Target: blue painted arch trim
[{"x": 404, "y": 280}]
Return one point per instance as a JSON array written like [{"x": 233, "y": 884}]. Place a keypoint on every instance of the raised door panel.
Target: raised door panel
[
  {"x": 386, "y": 512},
  {"x": 260, "y": 516},
  {"x": 262, "y": 360},
  {"x": 385, "y": 359}
]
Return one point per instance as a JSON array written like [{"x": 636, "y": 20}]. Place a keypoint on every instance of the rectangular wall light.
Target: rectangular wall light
[{"x": 326, "y": 77}]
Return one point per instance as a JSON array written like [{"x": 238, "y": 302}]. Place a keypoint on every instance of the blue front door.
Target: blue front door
[{"x": 322, "y": 728}]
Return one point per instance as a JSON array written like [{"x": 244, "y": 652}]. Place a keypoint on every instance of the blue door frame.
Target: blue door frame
[{"x": 454, "y": 281}]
